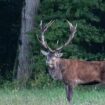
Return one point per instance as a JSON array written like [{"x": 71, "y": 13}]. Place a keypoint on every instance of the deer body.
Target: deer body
[
  {"x": 71, "y": 72},
  {"x": 74, "y": 72},
  {"x": 80, "y": 72}
]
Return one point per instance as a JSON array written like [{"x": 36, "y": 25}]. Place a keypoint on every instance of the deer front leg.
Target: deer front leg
[{"x": 69, "y": 92}]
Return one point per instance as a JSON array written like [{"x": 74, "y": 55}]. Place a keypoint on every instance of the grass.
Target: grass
[{"x": 54, "y": 96}]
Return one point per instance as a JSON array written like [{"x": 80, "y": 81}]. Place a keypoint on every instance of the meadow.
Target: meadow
[{"x": 83, "y": 95}]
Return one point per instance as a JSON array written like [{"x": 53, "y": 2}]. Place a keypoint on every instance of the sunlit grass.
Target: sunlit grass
[{"x": 54, "y": 96}]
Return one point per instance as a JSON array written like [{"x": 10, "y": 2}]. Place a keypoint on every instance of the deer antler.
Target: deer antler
[
  {"x": 71, "y": 36},
  {"x": 44, "y": 29}
]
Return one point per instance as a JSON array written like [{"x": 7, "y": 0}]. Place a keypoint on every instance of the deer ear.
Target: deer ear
[{"x": 44, "y": 52}]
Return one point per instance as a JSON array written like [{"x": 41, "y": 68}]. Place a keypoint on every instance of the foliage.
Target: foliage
[{"x": 89, "y": 42}]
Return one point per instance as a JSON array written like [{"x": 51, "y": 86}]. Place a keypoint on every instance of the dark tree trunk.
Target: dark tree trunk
[{"x": 28, "y": 15}]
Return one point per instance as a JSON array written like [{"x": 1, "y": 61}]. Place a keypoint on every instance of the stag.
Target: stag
[{"x": 71, "y": 72}]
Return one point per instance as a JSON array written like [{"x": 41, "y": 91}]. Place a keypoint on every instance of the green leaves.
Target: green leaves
[{"x": 89, "y": 41}]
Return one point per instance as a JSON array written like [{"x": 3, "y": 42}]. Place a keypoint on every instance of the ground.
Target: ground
[{"x": 83, "y": 95}]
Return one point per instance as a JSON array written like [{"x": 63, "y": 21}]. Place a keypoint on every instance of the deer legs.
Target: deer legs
[{"x": 69, "y": 92}]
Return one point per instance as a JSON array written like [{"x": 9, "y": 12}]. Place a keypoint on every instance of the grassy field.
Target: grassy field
[{"x": 54, "y": 96}]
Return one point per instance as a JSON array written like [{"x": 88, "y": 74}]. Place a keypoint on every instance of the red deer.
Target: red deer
[{"x": 71, "y": 72}]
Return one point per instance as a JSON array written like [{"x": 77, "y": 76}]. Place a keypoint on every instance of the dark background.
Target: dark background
[{"x": 10, "y": 23}]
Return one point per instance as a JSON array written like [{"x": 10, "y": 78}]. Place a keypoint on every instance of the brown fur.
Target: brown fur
[
  {"x": 80, "y": 72},
  {"x": 74, "y": 72}
]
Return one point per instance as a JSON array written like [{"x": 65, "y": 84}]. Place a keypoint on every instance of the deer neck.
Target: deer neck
[{"x": 55, "y": 71}]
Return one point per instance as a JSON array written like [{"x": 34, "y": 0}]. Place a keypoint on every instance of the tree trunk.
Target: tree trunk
[{"x": 28, "y": 15}]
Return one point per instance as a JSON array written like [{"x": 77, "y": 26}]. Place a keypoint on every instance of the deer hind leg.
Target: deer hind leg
[{"x": 69, "y": 92}]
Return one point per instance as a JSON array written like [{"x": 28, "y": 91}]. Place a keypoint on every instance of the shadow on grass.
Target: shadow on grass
[{"x": 90, "y": 88}]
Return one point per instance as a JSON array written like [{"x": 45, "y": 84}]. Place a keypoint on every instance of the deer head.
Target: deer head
[{"x": 53, "y": 55}]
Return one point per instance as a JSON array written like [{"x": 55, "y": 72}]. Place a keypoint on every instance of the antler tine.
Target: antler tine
[
  {"x": 72, "y": 28},
  {"x": 41, "y": 25},
  {"x": 48, "y": 25},
  {"x": 42, "y": 42},
  {"x": 44, "y": 28},
  {"x": 41, "y": 39},
  {"x": 73, "y": 31}
]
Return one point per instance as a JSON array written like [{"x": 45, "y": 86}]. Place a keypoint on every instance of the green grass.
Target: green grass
[{"x": 54, "y": 96}]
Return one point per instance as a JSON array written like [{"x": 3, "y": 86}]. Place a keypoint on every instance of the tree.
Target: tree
[{"x": 28, "y": 15}]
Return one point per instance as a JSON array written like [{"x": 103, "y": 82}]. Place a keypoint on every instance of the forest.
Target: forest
[{"x": 22, "y": 66}]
